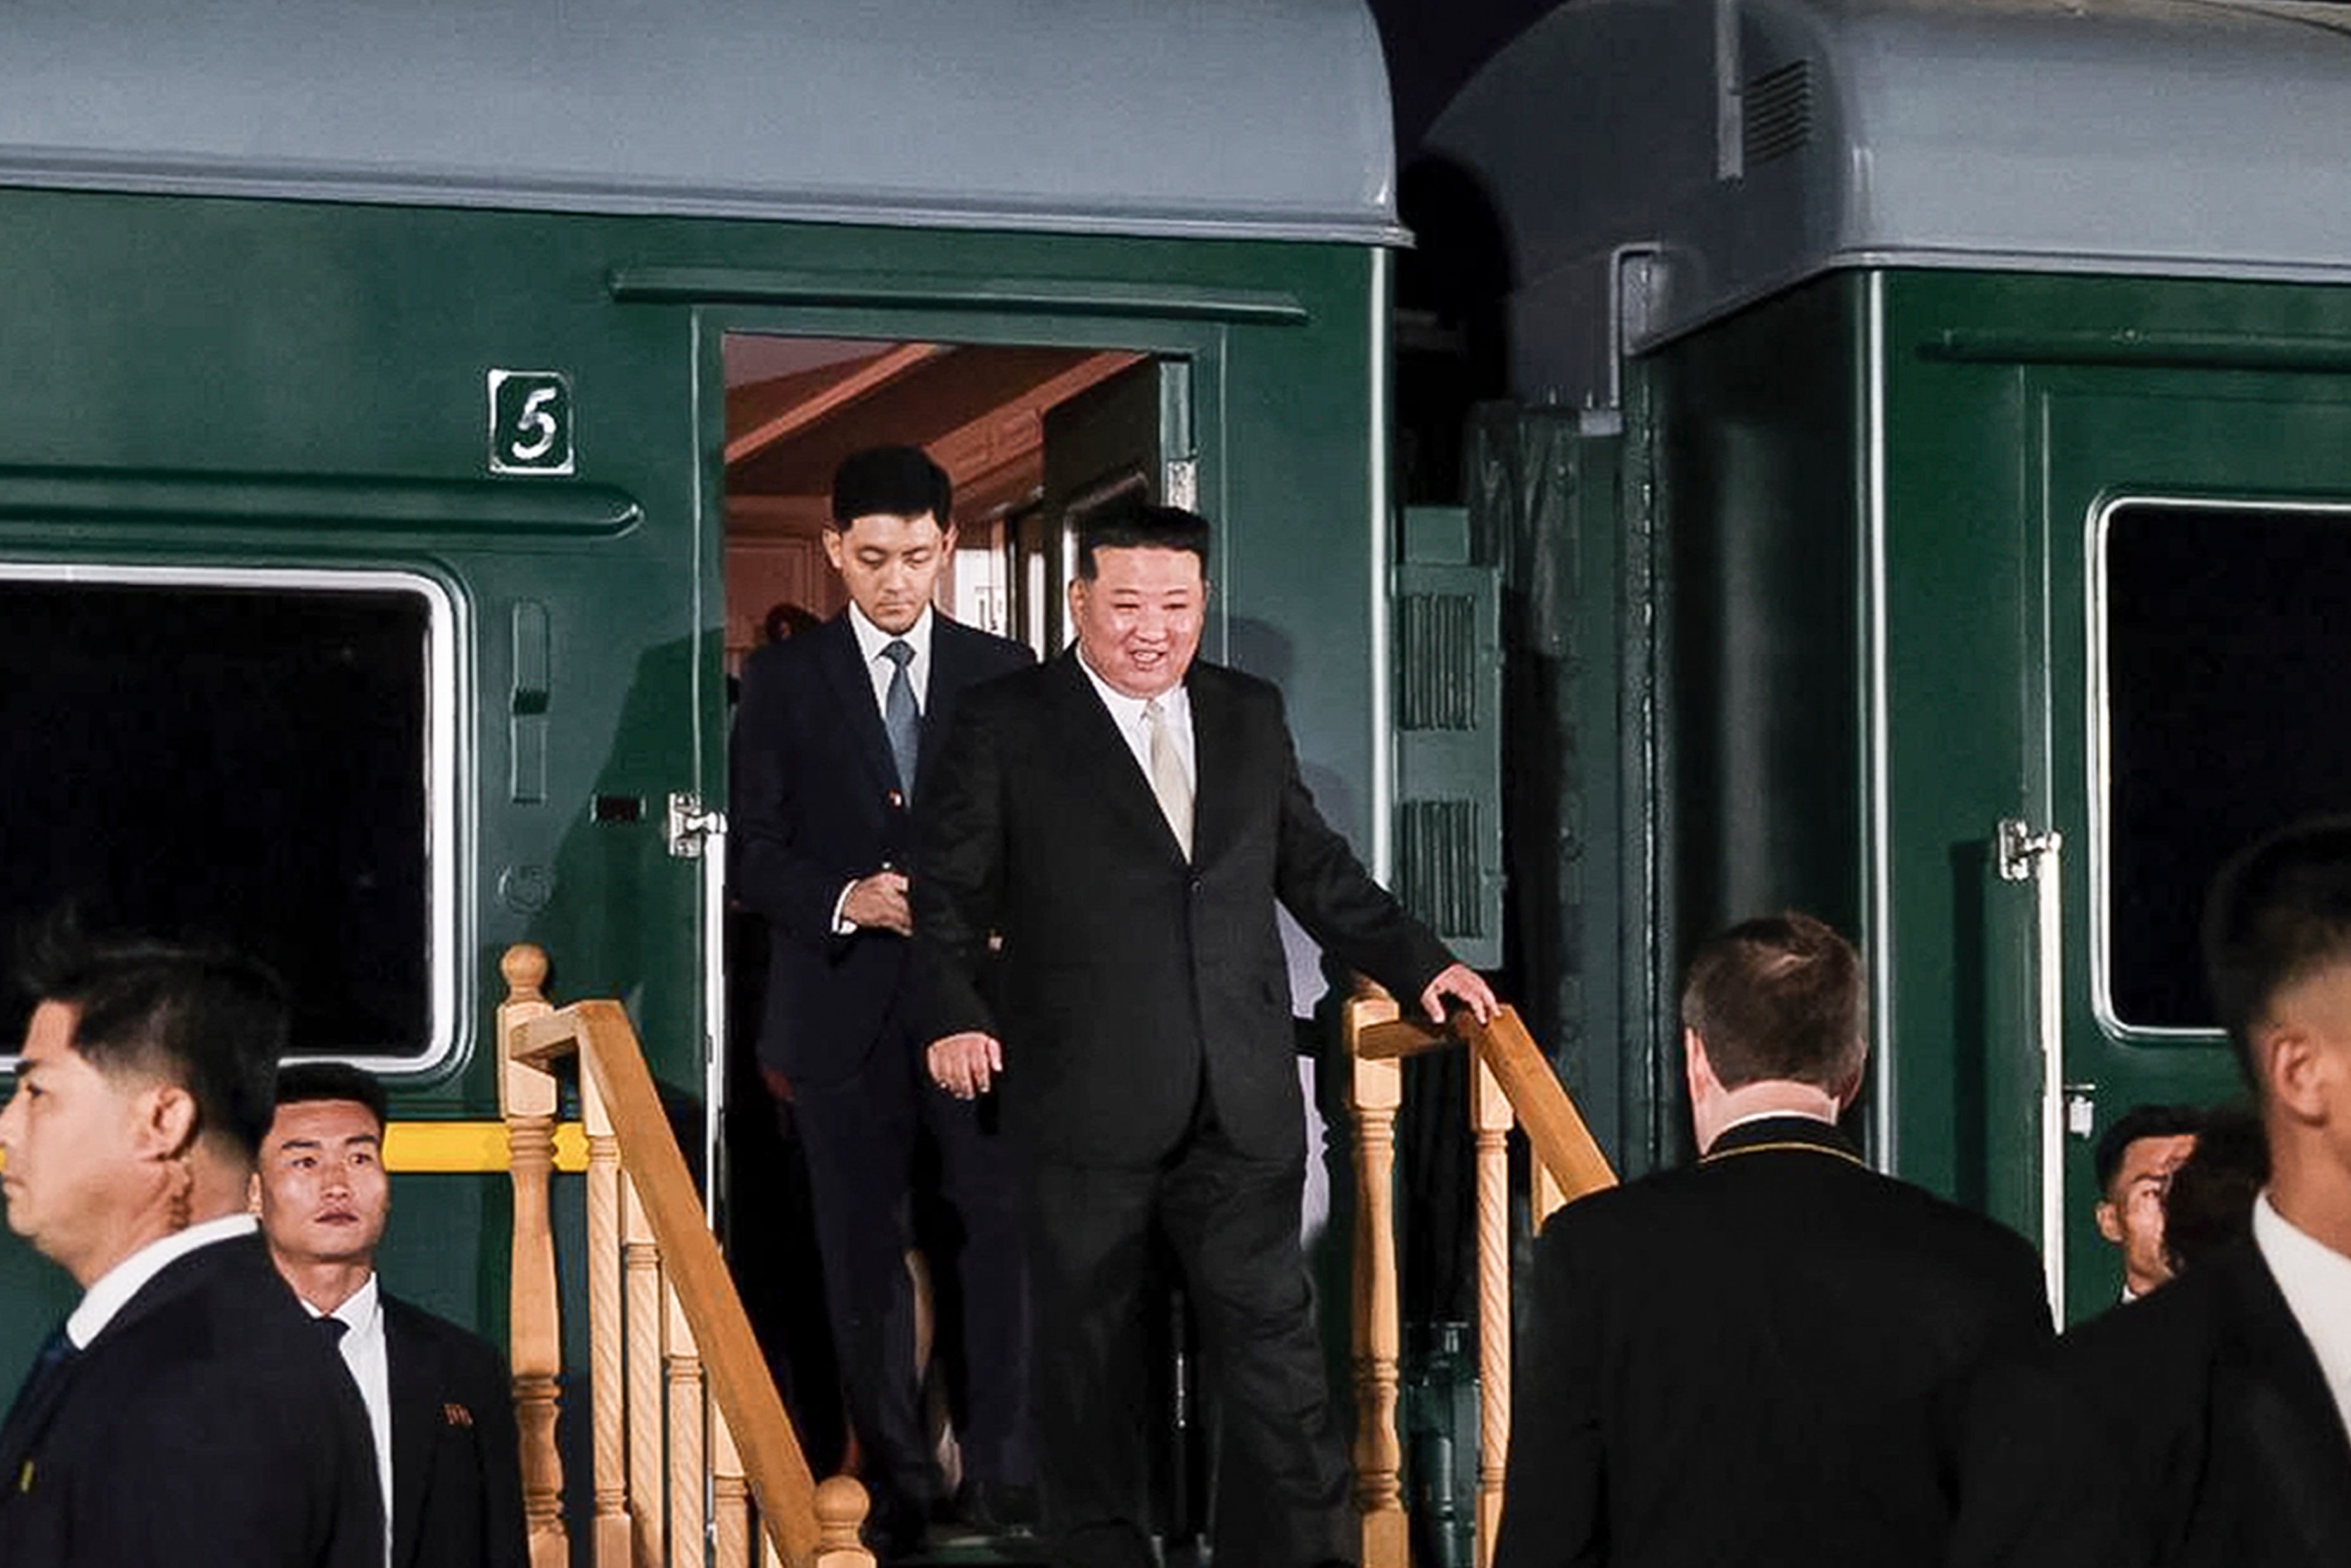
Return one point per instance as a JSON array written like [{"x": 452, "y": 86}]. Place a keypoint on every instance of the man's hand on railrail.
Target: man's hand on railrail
[
  {"x": 966, "y": 1065},
  {"x": 1461, "y": 983}
]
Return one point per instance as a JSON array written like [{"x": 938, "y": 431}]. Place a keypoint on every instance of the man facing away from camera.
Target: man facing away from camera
[{"x": 1758, "y": 1359}]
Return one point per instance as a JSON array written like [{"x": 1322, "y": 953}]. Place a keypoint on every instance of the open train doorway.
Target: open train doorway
[{"x": 1031, "y": 437}]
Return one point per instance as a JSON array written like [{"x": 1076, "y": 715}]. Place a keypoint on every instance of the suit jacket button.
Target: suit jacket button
[
  {"x": 897, "y": 801},
  {"x": 1194, "y": 885}
]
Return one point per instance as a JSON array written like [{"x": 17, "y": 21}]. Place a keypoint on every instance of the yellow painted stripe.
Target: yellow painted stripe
[
  {"x": 461, "y": 1147},
  {"x": 458, "y": 1148}
]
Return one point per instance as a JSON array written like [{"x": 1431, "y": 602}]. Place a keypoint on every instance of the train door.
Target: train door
[
  {"x": 1033, "y": 436},
  {"x": 2196, "y": 535}
]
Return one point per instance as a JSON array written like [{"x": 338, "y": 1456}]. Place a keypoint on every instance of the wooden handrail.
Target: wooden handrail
[
  {"x": 706, "y": 1335},
  {"x": 1511, "y": 1084},
  {"x": 1555, "y": 1131}
]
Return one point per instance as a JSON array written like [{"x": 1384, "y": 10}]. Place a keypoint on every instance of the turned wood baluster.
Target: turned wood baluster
[
  {"x": 641, "y": 1304},
  {"x": 608, "y": 1391},
  {"x": 730, "y": 1497},
  {"x": 681, "y": 1363},
  {"x": 1490, "y": 1121},
  {"x": 527, "y": 1098},
  {"x": 1376, "y": 1091}
]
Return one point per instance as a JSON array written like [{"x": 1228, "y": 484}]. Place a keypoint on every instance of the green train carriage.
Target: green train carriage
[
  {"x": 1932, "y": 423},
  {"x": 409, "y": 414}
]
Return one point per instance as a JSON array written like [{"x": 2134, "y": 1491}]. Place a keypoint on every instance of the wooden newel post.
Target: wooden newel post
[
  {"x": 840, "y": 1505},
  {"x": 526, "y": 1098},
  {"x": 1376, "y": 1091}
]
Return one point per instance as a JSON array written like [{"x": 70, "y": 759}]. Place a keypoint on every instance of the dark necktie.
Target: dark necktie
[
  {"x": 49, "y": 1369},
  {"x": 900, "y": 719},
  {"x": 332, "y": 1327}
]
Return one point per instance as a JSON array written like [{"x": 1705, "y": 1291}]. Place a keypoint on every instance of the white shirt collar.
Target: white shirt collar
[
  {"x": 2315, "y": 1281},
  {"x": 359, "y": 1311},
  {"x": 871, "y": 639},
  {"x": 113, "y": 1290},
  {"x": 1771, "y": 1116},
  {"x": 1127, "y": 713}
]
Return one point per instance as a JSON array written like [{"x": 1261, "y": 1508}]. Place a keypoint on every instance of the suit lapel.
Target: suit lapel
[
  {"x": 410, "y": 1379},
  {"x": 1090, "y": 739},
  {"x": 845, "y": 672},
  {"x": 2278, "y": 1395},
  {"x": 1217, "y": 756}
]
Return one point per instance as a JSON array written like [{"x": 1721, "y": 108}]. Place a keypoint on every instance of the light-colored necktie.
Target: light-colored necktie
[{"x": 1168, "y": 779}]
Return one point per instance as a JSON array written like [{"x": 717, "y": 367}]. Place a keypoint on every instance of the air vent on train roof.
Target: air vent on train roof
[{"x": 1776, "y": 113}]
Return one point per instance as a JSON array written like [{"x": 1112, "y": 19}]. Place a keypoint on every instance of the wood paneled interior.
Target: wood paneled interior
[{"x": 795, "y": 408}]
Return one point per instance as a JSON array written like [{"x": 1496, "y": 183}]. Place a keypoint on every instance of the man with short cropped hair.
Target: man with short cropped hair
[
  {"x": 186, "y": 1410},
  {"x": 2133, "y": 1161},
  {"x": 832, "y": 755},
  {"x": 1757, "y": 1360},
  {"x": 440, "y": 1404},
  {"x": 2210, "y": 1423},
  {"x": 1108, "y": 837}
]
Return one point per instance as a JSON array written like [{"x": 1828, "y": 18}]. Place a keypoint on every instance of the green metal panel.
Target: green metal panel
[
  {"x": 224, "y": 380},
  {"x": 1447, "y": 707}
]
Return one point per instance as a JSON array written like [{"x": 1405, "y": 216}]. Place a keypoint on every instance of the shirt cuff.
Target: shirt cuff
[{"x": 842, "y": 925}]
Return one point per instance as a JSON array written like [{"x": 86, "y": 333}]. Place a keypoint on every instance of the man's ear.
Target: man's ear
[
  {"x": 167, "y": 1122},
  {"x": 2297, "y": 1067},
  {"x": 2110, "y": 1221},
  {"x": 834, "y": 545},
  {"x": 253, "y": 1193},
  {"x": 1696, "y": 1068}
]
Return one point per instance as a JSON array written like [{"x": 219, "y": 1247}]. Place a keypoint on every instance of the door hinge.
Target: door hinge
[
  {"x": 1181, "y": 482},
  {"x": 2081, "y": 1109},
  {"x": 2018, "y": 849},
  {"x": 690, "y": 826}
]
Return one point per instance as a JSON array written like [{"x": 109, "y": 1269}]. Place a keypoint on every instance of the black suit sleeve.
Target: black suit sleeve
[
  {"x": 503, "y": 1544},
  {"x": 1555, "y": 1486},
  {"x": 1320, "y": 881},
  {"x": 772, "y": 872},
  {"x": 963, "y": 849}
]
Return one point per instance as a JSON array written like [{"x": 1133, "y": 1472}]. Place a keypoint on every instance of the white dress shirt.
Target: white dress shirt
[
  {"x": 111, "y": 1291},
  {"x": 871, "y": 641},
  {"x": 2315, "y": 1281},
  {"x": 365, "y": 1353},
  {"x": 1126, "y": 712}
]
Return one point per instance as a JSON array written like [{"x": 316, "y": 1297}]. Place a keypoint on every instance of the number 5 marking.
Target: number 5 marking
[{"x": 530, "y": 422}]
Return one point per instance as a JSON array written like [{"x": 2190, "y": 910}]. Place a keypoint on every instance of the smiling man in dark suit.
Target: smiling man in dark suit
[
  {"x": 2210, "y": 1424},
  {"x": 831, "y": 777},
  {"x": 1760, "y": 1359},
  {"x": 186, "y": 1410},
  {"x": 1125, "y": 820},
  {"x": 447, "y": 1458}
]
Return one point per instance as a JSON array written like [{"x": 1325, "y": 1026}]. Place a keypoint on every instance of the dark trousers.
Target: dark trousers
[
  {"x": 1231, "y": 1222},
  {"x": 860, "y": 1136}
]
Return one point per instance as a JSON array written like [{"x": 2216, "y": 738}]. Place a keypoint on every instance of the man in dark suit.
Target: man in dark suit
[
  {"x": 448, "y": 1460},
  {"x": 1125, "y": 820},
  {"x": 186, "y": 1408},
  {"x": 831, "y": 777},
  {"x": 1758, "y": 1359},
  {"x": 2206, "y": 1425}
]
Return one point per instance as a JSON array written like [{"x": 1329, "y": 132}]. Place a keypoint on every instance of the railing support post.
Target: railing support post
[
  {"x": 526, "y": 1098},
  {"x": 1375, "y": 1089},
  {"x": 1490, "y": 1121}
]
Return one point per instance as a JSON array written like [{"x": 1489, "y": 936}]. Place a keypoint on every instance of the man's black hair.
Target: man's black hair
[
  {"x": 2209, "y": 1202},
  {"x": 2278, "y": 913},
  {"x": 208, "y": 1021},
  {"x": 306, "y": 1082},
  {"x": 895, "y": 481},
  {"x": 1138, "y": 524},
  {"x": 1778, "y": 997},
  {"x": 2140, "y": 1122}
]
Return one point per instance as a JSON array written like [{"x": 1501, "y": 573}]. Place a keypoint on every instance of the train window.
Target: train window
[
  {"x": 258, "y": 757},
  {"x": 2223, "y": 645}
]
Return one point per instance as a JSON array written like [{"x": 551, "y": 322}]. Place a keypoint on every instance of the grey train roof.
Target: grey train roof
[
  {"x": 2199, "y": 137},
  {"x": 1250, "y": 118}
]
